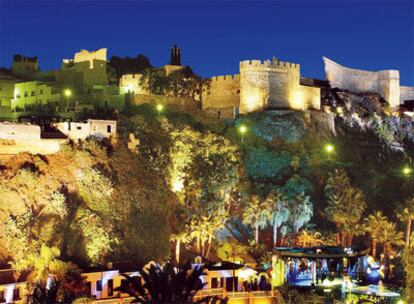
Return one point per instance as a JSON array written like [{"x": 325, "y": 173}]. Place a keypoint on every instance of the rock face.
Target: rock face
[
  {"x": 364, "y": 104},
  {"x": 283, "y": 124}
]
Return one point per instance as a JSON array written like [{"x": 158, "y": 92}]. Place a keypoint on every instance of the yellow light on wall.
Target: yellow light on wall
[{"x": 297, "y": 100}]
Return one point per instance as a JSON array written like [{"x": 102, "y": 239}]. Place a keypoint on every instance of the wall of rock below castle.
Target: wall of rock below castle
[
  {"x": 222, "y": 96},
  {"x": 274, "y": 84}
]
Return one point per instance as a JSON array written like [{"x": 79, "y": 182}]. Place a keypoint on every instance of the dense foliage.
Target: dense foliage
[{"x": 194, "y": 189}]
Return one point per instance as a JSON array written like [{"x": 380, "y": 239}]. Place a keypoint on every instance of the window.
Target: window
[
  {"x": 99, "y": 285},
  {"x": 214, "y": 283},
  {"x": 110, "y": 287},
  {"x": 33, "y": 93},
  {"x": 79, "y": 127},
  {"x": 41, "y": 92},
  {"x": 109, "y": 128},
  {"x": 89, "y": 287},
  {"x": 16, "y": 294},
  {"x": 25, "y": 94}
]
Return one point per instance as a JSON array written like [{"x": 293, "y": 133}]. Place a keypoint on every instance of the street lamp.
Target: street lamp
[
  {"x": 242, "y": 130},
  {"x": 159, "y": 108},
  {"x": 329, "y": 149},
  {"x": 407, "y": 170},
  {"x": 68, "y": 94}
]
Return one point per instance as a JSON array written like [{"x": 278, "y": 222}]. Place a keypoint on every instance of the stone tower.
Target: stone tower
[{"x": 175, "y": 56}]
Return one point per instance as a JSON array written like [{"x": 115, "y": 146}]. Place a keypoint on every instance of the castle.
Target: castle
[
  {"x": 261, "y": 85},
  {"x": 274, "y": 84}
]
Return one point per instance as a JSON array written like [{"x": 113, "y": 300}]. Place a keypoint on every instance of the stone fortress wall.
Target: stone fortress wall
[
  {"x": 274, "y": 84},
  {"x": 386, "y": 83},
  {"x": 406, "y": 93},
  {"x": 260, "y": 85},
  {"x": 222, "y": 95}
]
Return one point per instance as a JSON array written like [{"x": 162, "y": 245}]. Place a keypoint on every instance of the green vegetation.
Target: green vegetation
[{"x": 96, "y": 202}]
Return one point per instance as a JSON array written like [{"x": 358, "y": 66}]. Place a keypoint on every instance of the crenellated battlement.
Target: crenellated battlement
[
  {"x": 274, "y": 63},
  {"x": 222, "y": 78}
]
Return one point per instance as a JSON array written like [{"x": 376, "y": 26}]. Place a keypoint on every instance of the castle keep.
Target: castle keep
[{"x": 261, "y": 85}]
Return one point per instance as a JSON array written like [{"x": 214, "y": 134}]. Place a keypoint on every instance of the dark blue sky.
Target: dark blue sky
[{"x": 215, "y": 36}]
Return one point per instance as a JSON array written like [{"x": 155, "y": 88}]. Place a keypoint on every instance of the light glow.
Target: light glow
[
  {"x": 407, "y": 170},
  {"x": 329, "y": 148},
  {"x": 159, "y": 107},
  {"x": 67, "y": 93}
]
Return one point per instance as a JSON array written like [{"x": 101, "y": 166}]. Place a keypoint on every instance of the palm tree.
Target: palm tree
[
  {"x": 180, "y": 238},
  {"x": 162, "y": 285},
  {"x": 257, "y": 214},
  {"x": 346, "y": 205},
  {"x": 280, "y": 212},
  {"x": 406, "y": 214},
  {"x": 301, "y": 211},
  {"x": 389, "y": 236},
  {"x": 373, "y": 225},
  {"x": 306, "y": 239}
]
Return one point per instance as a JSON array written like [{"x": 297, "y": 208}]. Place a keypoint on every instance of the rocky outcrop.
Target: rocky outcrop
[{"x": 364, "y": 104}]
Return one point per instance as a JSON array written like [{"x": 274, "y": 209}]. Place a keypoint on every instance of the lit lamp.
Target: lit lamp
[
  {"x": 242, "y": 130},
  {"x": 68, "y": 94},
  {"x": 159, "y": 108},
  {"x": 329, "y": 149},
  {"x": 407, "y": 170}
]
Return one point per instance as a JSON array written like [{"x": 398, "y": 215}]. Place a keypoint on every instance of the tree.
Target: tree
[
  {"x": 408, "y": 261},
  {"x": 280, "y": 212},
  {"x": 179, "y": 238},
  {"x": 406, "y": 214},
  {"x": 373, "y": 224},
  {"x": 162, "y": 285},
  {"x": 346, "y": 205},
  {"x": 309, "y": 239},
  {"x": 389, "y": 236},
  {"x": 127, "y": 65},
  {"x": 96, "y": 236},
  {"x": 204, "y": 227},
  {"x": 257, "y": 214},
  {"x": 301, "y": 211}
]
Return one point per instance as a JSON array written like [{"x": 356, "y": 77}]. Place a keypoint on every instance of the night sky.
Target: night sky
[{"x": 215, "y": 36}]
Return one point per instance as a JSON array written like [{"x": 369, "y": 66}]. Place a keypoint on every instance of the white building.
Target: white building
[
  {"x": 103, "y": 282},
  {"x": 12, "y": 287},
  {"x": 92, "y": 127}
]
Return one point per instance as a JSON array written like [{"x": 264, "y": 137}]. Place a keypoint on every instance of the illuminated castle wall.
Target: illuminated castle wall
[
  {"x": 274, "y": 84},
  {"x": 386, "y": 83},
  {"x": 222, "y": 96},
  {"x": 260, "y": 85}
]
